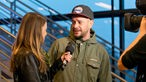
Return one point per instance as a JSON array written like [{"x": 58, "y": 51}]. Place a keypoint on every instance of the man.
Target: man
[
  {"x": 90, "y": 61},
  {"x": 135, "y": 54}
]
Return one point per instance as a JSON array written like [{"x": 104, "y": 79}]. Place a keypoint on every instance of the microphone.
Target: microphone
[{"x": 70, "y": 48}]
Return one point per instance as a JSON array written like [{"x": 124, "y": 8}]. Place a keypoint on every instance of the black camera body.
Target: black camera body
[{"x": 131, "y": 21}]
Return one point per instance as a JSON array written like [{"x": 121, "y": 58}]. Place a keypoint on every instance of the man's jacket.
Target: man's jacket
[{"x": 90, "y": 61}]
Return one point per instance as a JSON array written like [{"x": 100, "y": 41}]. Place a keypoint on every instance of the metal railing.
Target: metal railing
[
  {"x": 113, "y": 74},
  {"x": 52, "y": 36}
]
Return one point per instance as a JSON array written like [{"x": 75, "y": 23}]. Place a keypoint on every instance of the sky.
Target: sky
[{"x": 102, "y": 26}]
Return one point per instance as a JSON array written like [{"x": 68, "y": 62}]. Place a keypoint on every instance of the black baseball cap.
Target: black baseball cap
[{"x": 83, "y": 11}]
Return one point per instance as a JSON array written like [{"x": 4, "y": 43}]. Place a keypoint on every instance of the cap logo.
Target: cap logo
[{"x": 78, "y": 10}]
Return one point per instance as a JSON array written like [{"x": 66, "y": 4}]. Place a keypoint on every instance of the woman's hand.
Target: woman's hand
[{"x": 66, "y": 57}]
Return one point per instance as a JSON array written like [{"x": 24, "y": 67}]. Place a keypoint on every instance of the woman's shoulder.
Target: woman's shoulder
[
  {"x": 23, "y": 52},
  {"x": 24, "y": 56}
]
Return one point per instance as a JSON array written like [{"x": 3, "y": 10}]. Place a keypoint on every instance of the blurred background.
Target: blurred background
[{"x": 109, "y": 27}]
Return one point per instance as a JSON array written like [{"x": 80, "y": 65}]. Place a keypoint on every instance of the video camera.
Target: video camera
[{"x": 131, "y": 21}]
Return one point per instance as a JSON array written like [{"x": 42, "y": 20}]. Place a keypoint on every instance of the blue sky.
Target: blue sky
[{"x": 102, "y": 26}]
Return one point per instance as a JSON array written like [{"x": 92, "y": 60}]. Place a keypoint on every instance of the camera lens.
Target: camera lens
[{"x": 132, "y": 22}]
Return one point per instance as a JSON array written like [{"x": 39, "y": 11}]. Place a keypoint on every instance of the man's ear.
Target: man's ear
[{"x": 91, "y": 23}]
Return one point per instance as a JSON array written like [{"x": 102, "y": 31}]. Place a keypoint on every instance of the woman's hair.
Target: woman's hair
[{"x": 30, "y": 37}]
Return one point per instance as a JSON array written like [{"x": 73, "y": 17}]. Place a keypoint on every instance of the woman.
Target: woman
[{"x": 28, "y": 62}]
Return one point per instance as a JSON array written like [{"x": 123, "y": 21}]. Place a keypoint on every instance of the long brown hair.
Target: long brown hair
[{"x": 30, "y": 36}]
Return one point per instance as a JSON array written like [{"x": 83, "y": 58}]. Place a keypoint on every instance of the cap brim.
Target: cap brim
[{"x": 76, "y": 15}]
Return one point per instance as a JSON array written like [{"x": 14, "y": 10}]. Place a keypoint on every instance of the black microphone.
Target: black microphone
[{"x": 70, "y": 48}]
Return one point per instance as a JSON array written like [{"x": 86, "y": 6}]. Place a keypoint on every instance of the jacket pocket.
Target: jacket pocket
[{"x": 93, "y": 67}]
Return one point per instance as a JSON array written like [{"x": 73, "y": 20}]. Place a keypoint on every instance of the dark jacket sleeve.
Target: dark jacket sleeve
[
  {"x": 57, "y": 65},
  {"x": 54, "y": 63},
  {"x": 135, "y": 55},
  {"x": 29, "y": 69}
]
